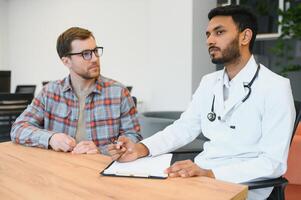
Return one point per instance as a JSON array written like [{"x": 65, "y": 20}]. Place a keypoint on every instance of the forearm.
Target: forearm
[
  {"x": 29, "y": 135},
  {"x": 249, "y": 170}
]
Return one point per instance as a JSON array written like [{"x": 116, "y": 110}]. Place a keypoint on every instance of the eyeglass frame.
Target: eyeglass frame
[{"x": 90, "y": 53}]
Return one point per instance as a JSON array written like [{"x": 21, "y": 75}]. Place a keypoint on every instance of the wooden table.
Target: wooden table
[{"x": 33, "y": 173}]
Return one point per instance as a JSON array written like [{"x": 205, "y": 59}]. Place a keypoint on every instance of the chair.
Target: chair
[
  {"x": 280, "y": 183},
  {"x": 45, "y": 83},
  {"x": 11, "y": 106},
  {"x": 293, "y": 175},
  {"x": 25, "y": 89},
  {"x": 135, "y": 100}
]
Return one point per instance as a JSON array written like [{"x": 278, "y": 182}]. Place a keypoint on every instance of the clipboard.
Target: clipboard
[{"x": 147, "y": 167}]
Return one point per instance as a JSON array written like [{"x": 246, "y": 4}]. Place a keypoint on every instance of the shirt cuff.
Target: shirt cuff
[
  {"x": 148, "y": 145},
  {"x": 44, "y": 138}
]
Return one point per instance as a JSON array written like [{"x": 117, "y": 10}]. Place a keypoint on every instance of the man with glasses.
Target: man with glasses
[{"x": 85, "y": 111}]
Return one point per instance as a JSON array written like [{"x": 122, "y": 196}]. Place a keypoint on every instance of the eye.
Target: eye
[
  {"x": 86, "y": 53},
  {"x": 219, "y": 32}
]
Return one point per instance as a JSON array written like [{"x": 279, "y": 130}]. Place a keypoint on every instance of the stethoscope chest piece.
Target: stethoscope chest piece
[{"x": 211, "y": 116}]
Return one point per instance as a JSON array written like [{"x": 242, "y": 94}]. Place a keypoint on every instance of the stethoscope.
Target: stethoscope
[{"x": 212, "y": 115}]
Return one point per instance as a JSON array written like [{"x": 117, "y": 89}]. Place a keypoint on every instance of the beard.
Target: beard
[
  {"x": 92, "y": 72},
  {"x": 230, "y": 54}
]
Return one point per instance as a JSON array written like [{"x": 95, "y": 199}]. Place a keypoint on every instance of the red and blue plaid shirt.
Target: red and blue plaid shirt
[{"x": 109, "y": 113}]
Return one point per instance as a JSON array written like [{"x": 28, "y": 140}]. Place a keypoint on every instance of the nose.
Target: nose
[{"x": 210, "y": 40}]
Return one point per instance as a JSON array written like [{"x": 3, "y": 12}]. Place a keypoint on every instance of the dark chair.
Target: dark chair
[
  {"x": 25, "y": 89},
  {"x": 11, "y": 106},
  {"x": 280, "y": 183},
  {"x": 135, "y": 100},
  {"x": 45, "y": 82}
]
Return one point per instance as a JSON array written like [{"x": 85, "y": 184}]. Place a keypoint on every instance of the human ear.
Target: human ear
[
  {"x": 246, "y": 37},
  {"x": 66, "y": 61}
]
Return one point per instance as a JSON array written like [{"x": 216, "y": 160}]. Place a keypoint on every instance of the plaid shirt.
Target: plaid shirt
[{"x": 109, "y": 113}]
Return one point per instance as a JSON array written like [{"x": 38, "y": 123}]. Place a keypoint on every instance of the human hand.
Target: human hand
[
  {"x": 62, "y": 142},
  {"x": 187, "y": 168},
  {"x": 87, "y": 147},
  {"x": 126, "y": 150}
]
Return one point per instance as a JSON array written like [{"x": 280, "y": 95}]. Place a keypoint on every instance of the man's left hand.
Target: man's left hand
[
  {"x": 87, "y": 147},
  {"x": 187, "y": 168}
]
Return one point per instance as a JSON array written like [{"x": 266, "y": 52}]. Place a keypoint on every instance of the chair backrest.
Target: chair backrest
[
  {"x": 25, "y": 89},
  {"x": 45, "y": 82},
  {"x": 298, "y": 117},
  {"x": 135, "y": 100},
  {"x": 11, "y": 106}
]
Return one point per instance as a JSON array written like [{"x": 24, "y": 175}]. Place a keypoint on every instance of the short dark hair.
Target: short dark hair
[
  {"x": 242, "y": 16},
  {"x": 63, "y": 44}
]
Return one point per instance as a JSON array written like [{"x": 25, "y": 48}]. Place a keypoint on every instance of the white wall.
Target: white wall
[
  {"x": 201, "y": 62},
  {"x": 147, "y": 44},
  {"x": 169, "y": 55},
  {"x": 3, "y": 35}
]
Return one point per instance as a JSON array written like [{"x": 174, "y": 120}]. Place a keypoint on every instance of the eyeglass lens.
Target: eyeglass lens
[{"x": 87, "y": 55}]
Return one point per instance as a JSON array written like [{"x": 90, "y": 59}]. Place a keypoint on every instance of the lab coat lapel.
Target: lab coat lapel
[
  {"x": 239, "y": 91},
  {"x": 235, "y": 99},
  {"x": 218, "y": 93}
]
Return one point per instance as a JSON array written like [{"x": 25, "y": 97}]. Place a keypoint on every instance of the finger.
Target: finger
[
  {"x": 183, "y": 173},
  {"x": 173, "y": 175},
  {"x": 65, "y": 147},
  {"x": 80, "y": 149},
  {"x": 115, "y": 146},
  {"x": 116, "y": 157},
  {"x": 123, "y": 141},
  {"x": 92, "y": 151},
  {"x": 71, "y": 141},
  {"x": 114, "y": 152},
  {"x": 119, "y": 145},
  {"x": 177, "y": 166},
  {"x": 174, "y": 168},
  {"x": 111, "y": 147}
]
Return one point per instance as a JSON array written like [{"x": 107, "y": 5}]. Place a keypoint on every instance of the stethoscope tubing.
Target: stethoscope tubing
[{"x": 212, "y": 115}]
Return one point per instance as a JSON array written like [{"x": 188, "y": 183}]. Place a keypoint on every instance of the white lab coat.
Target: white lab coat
[{"x": 258, "y": 145}]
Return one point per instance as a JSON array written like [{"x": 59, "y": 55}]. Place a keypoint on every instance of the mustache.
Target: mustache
[
  {"x": 93, "y": 66},
  {"x": 213, "y": 48}
]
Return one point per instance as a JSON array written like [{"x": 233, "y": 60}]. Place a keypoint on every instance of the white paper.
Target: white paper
[{"x": 143, "y": 167}]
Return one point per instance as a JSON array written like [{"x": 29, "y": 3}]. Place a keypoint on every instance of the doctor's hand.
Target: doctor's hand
[
  {"x": 187, "y": 168},
  {"x": 62, "y": 142},
  {"x": 87, "y": 147},
  {"x": 126, "y": 150}
]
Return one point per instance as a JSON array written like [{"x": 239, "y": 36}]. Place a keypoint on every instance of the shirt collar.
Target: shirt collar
[
  {"x": 244, "y": 76},
  {"x": 99, "y": 84}
]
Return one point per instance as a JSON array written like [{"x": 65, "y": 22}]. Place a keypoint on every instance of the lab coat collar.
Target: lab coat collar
[{"x": 238, "y": 91}]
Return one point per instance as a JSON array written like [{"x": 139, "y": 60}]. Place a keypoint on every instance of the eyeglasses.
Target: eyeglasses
[{"x": 87, "y": 54}]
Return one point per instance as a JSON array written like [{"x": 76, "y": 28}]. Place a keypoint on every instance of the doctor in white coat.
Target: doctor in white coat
[{"x": 245, "y": 110}]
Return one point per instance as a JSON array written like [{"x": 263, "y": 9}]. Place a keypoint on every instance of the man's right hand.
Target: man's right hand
[
  {"x": 126, "y": 150},
  {"x": 62, "y": 142}
]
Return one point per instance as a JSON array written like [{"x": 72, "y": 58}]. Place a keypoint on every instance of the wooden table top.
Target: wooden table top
[{"x": 33, "y": 173}]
